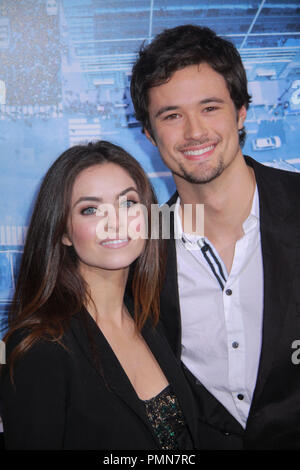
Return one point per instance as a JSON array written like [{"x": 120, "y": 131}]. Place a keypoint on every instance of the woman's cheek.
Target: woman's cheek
[
  {"x": 136, "y": 227},
  {"x": 84, "y": 232}
]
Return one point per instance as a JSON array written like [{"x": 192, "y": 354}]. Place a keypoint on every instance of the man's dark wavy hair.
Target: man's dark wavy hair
[{"x": 180, "y": 47}]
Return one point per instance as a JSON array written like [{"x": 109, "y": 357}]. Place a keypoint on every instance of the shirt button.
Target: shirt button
[
  {"x": 240, "y": 396},
  {"x": 228, "y": 292},
  {"x": 235, "y": 344}
]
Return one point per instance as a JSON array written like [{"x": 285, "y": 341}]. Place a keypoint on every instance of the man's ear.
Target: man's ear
[
  {"x": 149, "y": 136},
  {"x": 66, "y": 240},
  {"x": 242, "y": 114}
]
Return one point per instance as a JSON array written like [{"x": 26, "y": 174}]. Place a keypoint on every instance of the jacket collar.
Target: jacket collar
[
  {"x": 278, "y": 202},
  {"x": 94, "y": 345},
  {"x": 114, "y": 376},
  {"x": 280, "y": 237}
]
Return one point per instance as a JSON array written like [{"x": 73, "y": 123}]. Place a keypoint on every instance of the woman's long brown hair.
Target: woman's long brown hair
[{"x": 50, "y": 289}]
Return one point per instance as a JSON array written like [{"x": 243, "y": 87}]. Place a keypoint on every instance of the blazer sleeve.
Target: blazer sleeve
[{"x": 34, "y": 407}]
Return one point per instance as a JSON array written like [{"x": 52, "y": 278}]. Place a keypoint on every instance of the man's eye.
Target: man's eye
[
  {"x": 170, "y": 117},
  {"x": 89, "y": 211},
  {"x": 210, "y": 108}
]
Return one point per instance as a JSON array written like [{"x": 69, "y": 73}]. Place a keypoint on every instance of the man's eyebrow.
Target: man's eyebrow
[
  {"x": 100, "y": 199},
  {"x": 165, "y": 109},
  {"x": 211, "y": 99}
]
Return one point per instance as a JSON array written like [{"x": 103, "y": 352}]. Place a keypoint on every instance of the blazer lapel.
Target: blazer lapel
[
  {"x": 280, "y": 236},
  {"x": 110, "y": 370},
  {"x": 279, "y": 241},
  {"x": 172, "y": 369},
  {"x": 170, "y": 305},
  {"x": 115, "y": 377},
  {"x": 160, "y": 348}
]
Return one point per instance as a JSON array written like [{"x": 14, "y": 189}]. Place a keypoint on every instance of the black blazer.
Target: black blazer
[
  {"x": 274, "y": 418},
  {"x": 63, "y": 401}
]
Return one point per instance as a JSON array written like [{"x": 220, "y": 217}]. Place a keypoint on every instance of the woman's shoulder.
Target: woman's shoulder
[
  {"x": 43, "y": 361},
  {"x": 32, "y": 347}
]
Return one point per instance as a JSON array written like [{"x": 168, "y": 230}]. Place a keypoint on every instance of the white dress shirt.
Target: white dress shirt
[{"x": 222, "y": 329}]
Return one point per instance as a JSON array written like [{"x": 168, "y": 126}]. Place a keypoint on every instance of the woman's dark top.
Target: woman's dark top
[{"x": 166, "y": 418}]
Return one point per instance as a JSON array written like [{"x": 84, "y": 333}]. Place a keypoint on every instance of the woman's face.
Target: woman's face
[{"x": 106, "y": 225}]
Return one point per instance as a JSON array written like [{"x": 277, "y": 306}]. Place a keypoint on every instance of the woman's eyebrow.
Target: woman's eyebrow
[
  {"x": 88, "y": 198},
  {"x": 100, "y": 199},
  {"x": 131, "y": 188}
]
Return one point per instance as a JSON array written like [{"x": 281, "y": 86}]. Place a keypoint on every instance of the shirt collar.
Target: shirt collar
[{"x": 251, "y": 220}]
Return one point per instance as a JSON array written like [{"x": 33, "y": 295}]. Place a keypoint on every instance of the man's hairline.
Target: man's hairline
[{"x": 150, "y": 132}]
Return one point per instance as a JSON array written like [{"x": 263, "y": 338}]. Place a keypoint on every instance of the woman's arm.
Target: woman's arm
[{"x": 34, "y": 408}]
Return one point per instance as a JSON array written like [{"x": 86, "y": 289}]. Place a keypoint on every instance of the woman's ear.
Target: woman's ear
[{"x": 66, "y": 240}]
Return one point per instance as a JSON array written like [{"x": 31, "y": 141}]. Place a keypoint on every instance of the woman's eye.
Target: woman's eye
[
  {"x": 127, "y": 203},
  {"x": 89, "y": 211}
]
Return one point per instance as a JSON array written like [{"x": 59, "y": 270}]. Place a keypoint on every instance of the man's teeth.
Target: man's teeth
[
  {"x": 199, "y": 151},
  {"x": 114, "y": 242}
]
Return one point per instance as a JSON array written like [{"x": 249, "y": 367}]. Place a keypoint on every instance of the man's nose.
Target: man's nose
[{"x": 195, "y": 127}]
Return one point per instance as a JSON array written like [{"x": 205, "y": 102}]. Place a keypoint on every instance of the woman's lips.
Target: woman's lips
[{"x": 117, "y": 243}]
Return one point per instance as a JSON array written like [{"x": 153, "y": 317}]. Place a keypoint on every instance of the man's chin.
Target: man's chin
[{"x": 206, "y": 176}]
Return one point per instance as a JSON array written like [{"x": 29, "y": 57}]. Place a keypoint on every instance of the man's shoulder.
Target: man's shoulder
[
  {"x": 270, "y": 176},
  {"x": 269, "y": 169}
]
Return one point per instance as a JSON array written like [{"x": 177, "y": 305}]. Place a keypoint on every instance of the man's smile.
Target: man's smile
[{"x": 196, "y": 152}]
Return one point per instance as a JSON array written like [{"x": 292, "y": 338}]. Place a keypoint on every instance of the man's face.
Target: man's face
[{"x": 195, "y": 124}]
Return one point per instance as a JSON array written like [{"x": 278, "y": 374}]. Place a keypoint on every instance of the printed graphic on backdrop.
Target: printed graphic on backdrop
[{"x": 65, "y": 75}]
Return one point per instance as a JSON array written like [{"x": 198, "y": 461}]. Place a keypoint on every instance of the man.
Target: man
[{"x": 231, "y": 298}]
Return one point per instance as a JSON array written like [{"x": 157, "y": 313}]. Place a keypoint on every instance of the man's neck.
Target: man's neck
[{"x": 227, "y": 203}]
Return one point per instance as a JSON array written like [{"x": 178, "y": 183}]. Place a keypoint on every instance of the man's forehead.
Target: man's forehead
[{"x": 189, "y": 85}]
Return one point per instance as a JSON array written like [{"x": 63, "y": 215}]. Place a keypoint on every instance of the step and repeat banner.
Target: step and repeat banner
[{"x": 65, "y": 68}]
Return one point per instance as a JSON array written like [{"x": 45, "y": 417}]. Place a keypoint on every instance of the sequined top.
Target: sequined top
[{"x": 166, "y": 418}]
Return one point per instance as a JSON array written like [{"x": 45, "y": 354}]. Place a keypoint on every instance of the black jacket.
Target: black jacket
[
  {"x": 274, "y": 418},
  {"x": 62, "y": 400}
]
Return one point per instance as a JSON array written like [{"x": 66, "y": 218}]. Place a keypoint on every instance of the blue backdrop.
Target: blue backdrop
[{"x": 65, "y": 69}]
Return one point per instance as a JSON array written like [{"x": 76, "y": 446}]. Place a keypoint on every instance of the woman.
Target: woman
[{"x": 88, "y": 367}]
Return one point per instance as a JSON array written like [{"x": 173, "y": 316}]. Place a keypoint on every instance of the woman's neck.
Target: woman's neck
[{"x": 106, "y": 288}]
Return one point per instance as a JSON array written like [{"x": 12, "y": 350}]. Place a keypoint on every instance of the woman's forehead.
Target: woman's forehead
[{"x": 106, "y": 179}]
